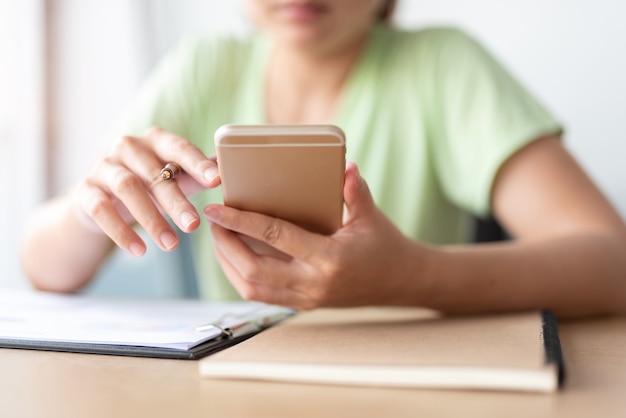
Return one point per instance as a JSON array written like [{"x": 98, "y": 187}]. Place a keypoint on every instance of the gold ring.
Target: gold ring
[{"x": 170, "y": 171}]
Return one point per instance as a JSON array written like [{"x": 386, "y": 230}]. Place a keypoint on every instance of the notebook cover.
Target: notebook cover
[{"x": 401, "y": 347}]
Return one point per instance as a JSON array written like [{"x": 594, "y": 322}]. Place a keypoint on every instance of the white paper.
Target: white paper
[{"x": 38, "y": 316}]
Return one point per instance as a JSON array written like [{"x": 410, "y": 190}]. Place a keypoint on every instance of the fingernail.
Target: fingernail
[
  {"x": 136, "y": 249},
  {"x": 187, "y": 218},
  {"x": 212, "y": 213},
  {"x": 169, "y": 240},
  {"x": 211, "y": 174}
]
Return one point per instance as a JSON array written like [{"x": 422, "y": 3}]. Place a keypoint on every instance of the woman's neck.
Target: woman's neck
[{"x": 305, "y": 87}]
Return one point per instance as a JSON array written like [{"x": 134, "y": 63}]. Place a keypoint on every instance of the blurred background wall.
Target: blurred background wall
[{"x": 68, "y": 67}]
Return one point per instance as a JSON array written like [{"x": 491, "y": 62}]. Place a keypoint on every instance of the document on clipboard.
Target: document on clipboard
[{"x": 183, "y": 329}]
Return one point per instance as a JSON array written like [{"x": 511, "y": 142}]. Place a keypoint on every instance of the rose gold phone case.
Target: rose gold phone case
[{"x": 292, "y": 172}]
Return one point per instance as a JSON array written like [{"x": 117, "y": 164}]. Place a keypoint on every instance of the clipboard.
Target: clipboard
[{"x": 174, "y": 329}]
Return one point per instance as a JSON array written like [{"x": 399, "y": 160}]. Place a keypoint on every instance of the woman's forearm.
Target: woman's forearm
[
  {"x": 59, "y": 252},
  {"x": 572, "y": 275}
]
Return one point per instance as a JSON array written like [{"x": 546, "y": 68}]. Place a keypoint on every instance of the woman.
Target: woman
[{"x": 437, "y": 128}]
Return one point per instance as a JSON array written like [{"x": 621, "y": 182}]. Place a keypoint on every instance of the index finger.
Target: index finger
[
  {"x": 282, "y": 235},
  {"x": 170, "y": 147}
]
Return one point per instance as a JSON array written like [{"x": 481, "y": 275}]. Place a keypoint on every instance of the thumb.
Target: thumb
[{"x": 356, "y": 194}]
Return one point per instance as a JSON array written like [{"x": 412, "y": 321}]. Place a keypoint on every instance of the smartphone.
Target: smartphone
[{"x": 292, "y": 172}]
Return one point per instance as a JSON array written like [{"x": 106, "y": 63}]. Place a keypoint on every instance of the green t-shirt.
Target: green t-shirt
[{"x": 429, "y": 118}]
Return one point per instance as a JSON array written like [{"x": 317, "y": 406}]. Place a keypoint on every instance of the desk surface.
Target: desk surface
[{"x": 45, "y": 384}]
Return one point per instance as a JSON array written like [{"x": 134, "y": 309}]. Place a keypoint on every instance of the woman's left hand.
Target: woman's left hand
[{"x": 366, "y": 262}]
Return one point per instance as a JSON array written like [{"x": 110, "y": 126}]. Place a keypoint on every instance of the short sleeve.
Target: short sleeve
[{"x": 480, "y": 116}]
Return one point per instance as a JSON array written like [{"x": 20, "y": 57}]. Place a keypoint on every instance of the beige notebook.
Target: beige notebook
[{"x": 401, "y": 347}]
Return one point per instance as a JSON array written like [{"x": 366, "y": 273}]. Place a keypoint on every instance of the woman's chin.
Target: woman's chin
[{"x": 305, "y": 39}]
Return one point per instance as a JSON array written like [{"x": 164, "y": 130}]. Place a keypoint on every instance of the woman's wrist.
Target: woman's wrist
[{"x": 419, "y": 274}]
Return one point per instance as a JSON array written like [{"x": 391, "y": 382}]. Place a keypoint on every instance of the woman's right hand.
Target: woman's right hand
[{"x": 126, "y": 187}]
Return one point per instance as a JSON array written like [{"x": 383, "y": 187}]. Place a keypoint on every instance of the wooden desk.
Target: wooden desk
[{"x": 44, "y": 384}]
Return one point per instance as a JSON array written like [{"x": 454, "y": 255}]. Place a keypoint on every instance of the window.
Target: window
[{"x": 22, "y": 124}]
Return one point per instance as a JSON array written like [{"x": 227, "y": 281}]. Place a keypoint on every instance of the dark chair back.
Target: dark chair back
[{"x": 489, "y": 230}]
